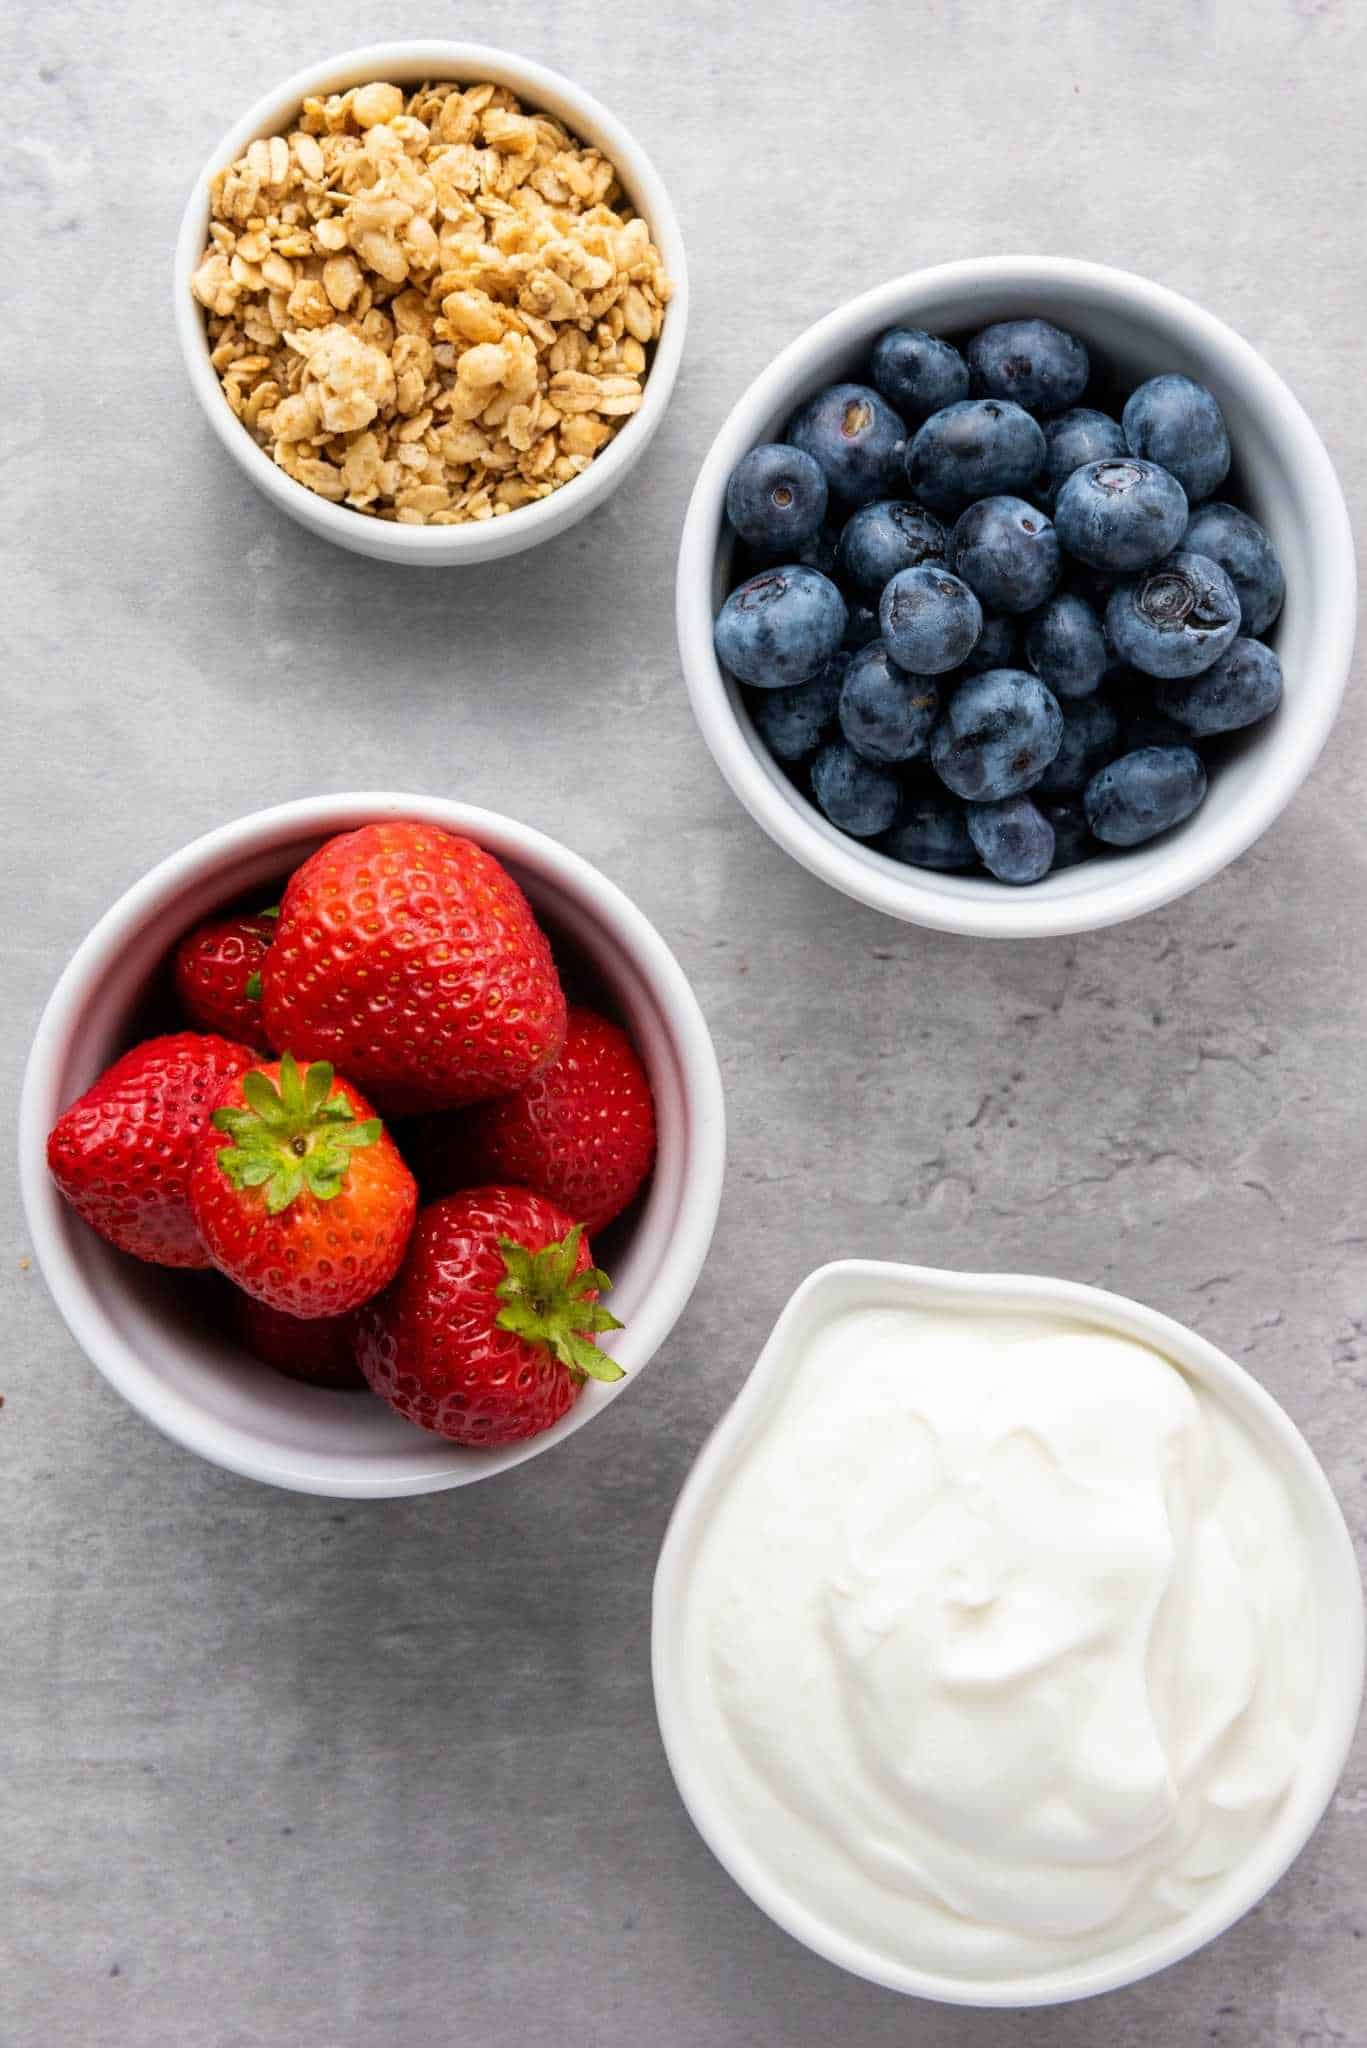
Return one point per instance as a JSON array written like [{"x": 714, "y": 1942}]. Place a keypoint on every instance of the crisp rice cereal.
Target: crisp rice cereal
[{"x": 432, "y": 309}]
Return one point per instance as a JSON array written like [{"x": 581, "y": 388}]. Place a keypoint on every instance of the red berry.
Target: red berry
[
  {"x": 320, "y": 1350},
  {"x": 411, "y": 959},
  {"x": 582, "y": 1133},
  {"x": 217, "y": 970},
  {"x": 488, "y": 1333},
  {"x": 299, "y": 1194},
  {"x": 121, "y": 1155}
]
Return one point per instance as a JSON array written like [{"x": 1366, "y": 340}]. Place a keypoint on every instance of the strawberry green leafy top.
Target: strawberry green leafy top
[
  {"x": 291, "y": 1138},
  {"x": 544, "y": 1303}
]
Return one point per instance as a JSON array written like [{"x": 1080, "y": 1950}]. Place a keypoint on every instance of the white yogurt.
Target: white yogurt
[{"x": 1000, "y": 1640}]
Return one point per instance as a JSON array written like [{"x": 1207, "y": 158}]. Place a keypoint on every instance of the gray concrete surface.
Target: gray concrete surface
[{"x": 279, "y": 1771}]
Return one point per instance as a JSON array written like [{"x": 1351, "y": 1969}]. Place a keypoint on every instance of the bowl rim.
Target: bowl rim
[
  {"x": 1000, "y": 911},
  {"x": 1339, "y": 1583},
  {"x": 625, "y": 926},
  {"x": 435, "y": 58}
]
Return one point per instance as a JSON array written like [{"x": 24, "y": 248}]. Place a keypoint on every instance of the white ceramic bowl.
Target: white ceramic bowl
[
  {"x": 191, "y": 1380},
  {"x": 1283, "y": 474},
  {"x": 543, "y": 91},
  {"x": 830, "y": 1292}
]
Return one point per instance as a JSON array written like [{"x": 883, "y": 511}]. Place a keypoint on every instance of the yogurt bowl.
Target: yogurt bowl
[
  {"x": 152, "y": 1336},
  {"x": 1008, "y": 1639}
]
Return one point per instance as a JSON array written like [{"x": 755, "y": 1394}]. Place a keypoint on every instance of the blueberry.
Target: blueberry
[
  {"x": 852, "y": 433},
  {"x": 1015, "y": 840},
  {"x": 1066, "y": 647},
  {"x": 995, "y": 646},
  {"x": 1176, "y": 619},
  {"x": 776, "y": 498},
  {"x": 975, "y": 448},
  {"x": 1120, "y": 513},
  {"x": 1177, "y": 423},
  {"x": 917, "y": 372},
  {"x": 792, "y": 723},
  {"x": 998, "y": 734},
  {"x": 931, "y": 832},
  {"x": 1073, "y": 438},
  {"x": 930, "y": 620},
  {"x": 1247, "y": 556},
  {"x": 1072, "y": 839},
  {"x": 886, "y": 714},
  {"x": 1242, "y": 687},
  {"x": 1007, "y": 551},
  {"x": 1091, "y": 737},
  {"x": 882, "y": 538},
  {"x": 781, "y": 627},
  {"x": 855, "y": 795},
  {"x": 1143, "y": 794},
  {"x": 1030, "y": 361}
]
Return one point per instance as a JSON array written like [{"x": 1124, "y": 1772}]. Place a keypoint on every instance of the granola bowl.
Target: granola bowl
[
  {"x": 1285, "y": 479},
  {"x": 161, "y": 1337},
  {"x": 438, "y": 423}
]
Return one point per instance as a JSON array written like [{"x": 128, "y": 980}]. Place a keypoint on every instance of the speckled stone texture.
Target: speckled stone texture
[{"x": 282, "y": 1771}]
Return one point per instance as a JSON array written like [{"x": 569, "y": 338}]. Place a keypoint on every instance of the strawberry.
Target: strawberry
[
  {"x": 121, "y": 1155},
  {"x": 309, "y": 1206},
  {"x": 488, "y": 1333},
  {"x": 320, "y": 1350},
  {"x": 411, "y": 959},
  {"x": 217, "y": 970},
  {"x": 582, "y": 1133}
]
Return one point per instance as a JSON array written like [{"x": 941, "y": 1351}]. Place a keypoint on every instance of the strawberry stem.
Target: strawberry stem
[
  {"x": 544, "y": 1303},
  {"x": 295, "y": 1137}
]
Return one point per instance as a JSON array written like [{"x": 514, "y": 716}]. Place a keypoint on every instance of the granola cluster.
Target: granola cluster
[{"x": 434, "y": 308}]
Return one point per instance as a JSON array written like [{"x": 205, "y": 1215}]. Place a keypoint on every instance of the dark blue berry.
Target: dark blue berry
[
  {"x": 1015, "y": 840},
  {"x": 1242, "y": 687},
  {"x": 776, "y": 498},
  {"x": 851, "y": 432},
  {"x": 781, "y": 627},
  {"x": 1176, "y": 619},
  {"x": 995, "y": 646},
  {"x": 997, "y": 735},
  {"x": 792, "y": 723},
  {"x": 1143, "y": 794},
  {"x": 931, "y": 832},
  {"x": 1247, "y": 556},
  {"x": 1030, "y": 361},
  {"x": 1074, "y": 438},
  {"x": 930, "y": 620},
  {"x": 1178, "y": 424},
  {"x": 976, "y": 448},
  {"x": 1072, "y": 838},
  {"x": 855, "y": 795},
  {"x": 886, "y": 714},
  {"x": 1066, "y": 647},
  {"x": 1120, "y": 513},
  {"x": 917, "y": 372},
  {"x": 1091, "y": 737},
  {"x": 1007, "y": 551},
  {"x": 879, "y": 539}
]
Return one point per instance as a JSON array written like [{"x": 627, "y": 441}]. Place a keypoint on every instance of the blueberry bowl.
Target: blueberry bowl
[{"x": 1137, "y": 334}]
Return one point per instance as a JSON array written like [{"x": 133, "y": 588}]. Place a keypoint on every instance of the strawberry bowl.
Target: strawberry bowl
[{"x": 157, "y": 1335}]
